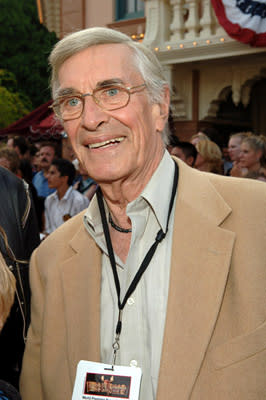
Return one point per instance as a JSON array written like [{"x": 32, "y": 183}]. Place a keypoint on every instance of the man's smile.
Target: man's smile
[{"x": 105, "y": 143}]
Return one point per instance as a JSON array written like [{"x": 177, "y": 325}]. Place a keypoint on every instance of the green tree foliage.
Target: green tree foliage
[
  {"x": 24, "y": 47},
  {"x": 13, "y": 105}
]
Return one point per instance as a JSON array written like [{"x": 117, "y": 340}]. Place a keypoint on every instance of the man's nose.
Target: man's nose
[{"x": 93, "y": 115}]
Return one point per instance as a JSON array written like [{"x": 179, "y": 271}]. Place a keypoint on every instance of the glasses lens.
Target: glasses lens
[
  {"x": 69, "y": 107},
  {"x": 111, "y": 97}
]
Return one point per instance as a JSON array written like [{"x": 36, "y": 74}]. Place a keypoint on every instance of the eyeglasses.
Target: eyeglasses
[{"x": 111, "y": 97}]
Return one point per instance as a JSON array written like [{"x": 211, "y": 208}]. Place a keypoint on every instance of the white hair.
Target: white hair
[{"x": 144, "y": 60}]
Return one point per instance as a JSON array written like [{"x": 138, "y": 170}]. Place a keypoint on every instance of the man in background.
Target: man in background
[
  {"x": 65, "y": 202},
  {"x": 46, "y": 155},
  {"x": 185, "y": 151}
]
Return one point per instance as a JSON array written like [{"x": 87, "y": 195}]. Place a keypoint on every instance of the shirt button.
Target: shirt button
[
  {"x": 130, "y": 301},
  {"x": 133, "y": 363}
]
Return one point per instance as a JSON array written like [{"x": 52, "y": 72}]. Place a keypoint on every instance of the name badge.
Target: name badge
[{"x": 97, "y": 381}]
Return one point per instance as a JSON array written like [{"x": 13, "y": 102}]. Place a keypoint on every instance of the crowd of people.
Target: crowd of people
[
  {"x": 244, "y": 156},
  {"x": 148, "y": 270},
  {"x": 60, "y": 186},
  {"x": 56, "y": 180}
]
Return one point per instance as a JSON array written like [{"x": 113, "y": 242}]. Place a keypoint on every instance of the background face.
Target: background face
[
  {"x": 248, "y": 156},
  {"x": 46, "y": 156},
  {"x": 54, "y": 178},
  {"x": 113, "y": 145},
  {"x": 200, "y": 160},
  {"x": 176, "y": 151},
  {"x": 234, "y": 148}
]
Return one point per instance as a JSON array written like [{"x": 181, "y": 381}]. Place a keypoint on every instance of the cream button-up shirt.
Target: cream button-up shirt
[{"x": 144, "y": 314}]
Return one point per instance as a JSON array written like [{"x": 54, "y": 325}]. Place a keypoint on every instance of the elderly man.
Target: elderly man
[{"x": 167, "y": 277}]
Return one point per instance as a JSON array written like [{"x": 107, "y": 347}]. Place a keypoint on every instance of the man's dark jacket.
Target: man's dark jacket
[{"x": 19, "y": 236}]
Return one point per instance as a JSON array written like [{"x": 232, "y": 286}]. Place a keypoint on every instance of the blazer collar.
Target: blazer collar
[{"x": 200, "y": 265}]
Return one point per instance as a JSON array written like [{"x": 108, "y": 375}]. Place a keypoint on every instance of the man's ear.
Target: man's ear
[
  {"x": 164, "y": 110},
  {"x": 190, "y": 160},
  {"x": 64, "y": 178}
]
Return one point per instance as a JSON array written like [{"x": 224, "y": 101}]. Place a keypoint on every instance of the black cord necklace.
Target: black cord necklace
[{"x": 116, "y": 227}]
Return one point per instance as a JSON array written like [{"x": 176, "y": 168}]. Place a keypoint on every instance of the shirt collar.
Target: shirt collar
[
  {"x": 66, "y": 195},
  {"x": 68, "y": 192},
  {"x": 157, "y": 192},
  {"x": 157, "y": 195}
]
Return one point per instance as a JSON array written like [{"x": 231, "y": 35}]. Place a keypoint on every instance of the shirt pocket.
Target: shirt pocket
[{"x": 240, "y": 348}]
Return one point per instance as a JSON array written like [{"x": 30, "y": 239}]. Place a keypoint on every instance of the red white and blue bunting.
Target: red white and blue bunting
[{"x": 243, "y": 20}]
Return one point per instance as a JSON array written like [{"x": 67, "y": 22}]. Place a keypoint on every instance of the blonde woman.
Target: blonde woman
[
  {"x": 234, "y": 149},
  {"x": 198, "y": 137},
  {"x": 7, "y": 295},
  {"x": 253, "y": 154},
  {"x": 209, "y": 158}
]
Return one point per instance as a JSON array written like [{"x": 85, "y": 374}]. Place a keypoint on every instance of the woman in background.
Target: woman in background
[
  {"x": 234, "y": 149},
  {"x": 253, "y": 154},
  {"x": 209, "y": 158}
]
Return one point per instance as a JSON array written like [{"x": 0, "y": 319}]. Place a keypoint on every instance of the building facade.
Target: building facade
[{"x": 216, "y": 81}]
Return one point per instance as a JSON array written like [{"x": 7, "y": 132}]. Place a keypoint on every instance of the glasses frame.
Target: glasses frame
[{"x": 81, "y": 96}]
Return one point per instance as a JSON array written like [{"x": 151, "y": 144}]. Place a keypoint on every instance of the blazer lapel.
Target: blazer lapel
[
  {"x": 200, "y": 264},
  {"x": 81, "y": 277}
]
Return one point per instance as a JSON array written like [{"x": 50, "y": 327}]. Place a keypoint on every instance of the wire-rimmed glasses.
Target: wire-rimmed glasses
[{"x": 111, "y": 97}]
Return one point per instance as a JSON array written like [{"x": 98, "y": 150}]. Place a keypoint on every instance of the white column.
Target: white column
[
  {"x": 207, "y": 21},
  {"x": 192, "y": 24},
  {"x": 157, "y": 14},
  {"x": 177, "y": 26},
  {"x": 218, "y": 29}
]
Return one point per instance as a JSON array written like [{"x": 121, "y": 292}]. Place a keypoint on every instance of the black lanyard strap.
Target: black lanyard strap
[{"x": 159, "y": 237}]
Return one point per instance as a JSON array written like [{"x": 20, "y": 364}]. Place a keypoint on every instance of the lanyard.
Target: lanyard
[{"x": 159, "y": 237}]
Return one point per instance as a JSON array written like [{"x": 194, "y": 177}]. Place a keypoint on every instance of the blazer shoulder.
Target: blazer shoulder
[{"x": 243, "y": 188}]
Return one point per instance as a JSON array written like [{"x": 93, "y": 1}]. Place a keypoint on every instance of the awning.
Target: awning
[{"x": 40, "y": 123}]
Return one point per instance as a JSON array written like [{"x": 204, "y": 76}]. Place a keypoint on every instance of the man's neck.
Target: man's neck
[
  {"x": 120, "y": 193},
  {"x": 61, "y": 191},
  {"x": 45, "y": 170}
]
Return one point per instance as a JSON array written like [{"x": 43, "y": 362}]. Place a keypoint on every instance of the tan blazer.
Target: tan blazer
[{"x": 215, "y": 335}]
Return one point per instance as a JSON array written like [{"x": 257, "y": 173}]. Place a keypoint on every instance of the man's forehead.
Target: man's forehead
[
  {"x": 99, "y": 64},
  {"x": 47, "y": 149},
  {"x": 176, "y": 151}
]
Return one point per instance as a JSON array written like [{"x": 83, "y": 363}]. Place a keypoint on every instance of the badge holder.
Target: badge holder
[{"x": 97, "y": 381}]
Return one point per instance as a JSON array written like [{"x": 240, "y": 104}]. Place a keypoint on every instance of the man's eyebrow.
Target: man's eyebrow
[
  {"x": 110, "y": 82},
  {"x": 102, "y": 84},
  {"x": 65, "y": 92}
]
